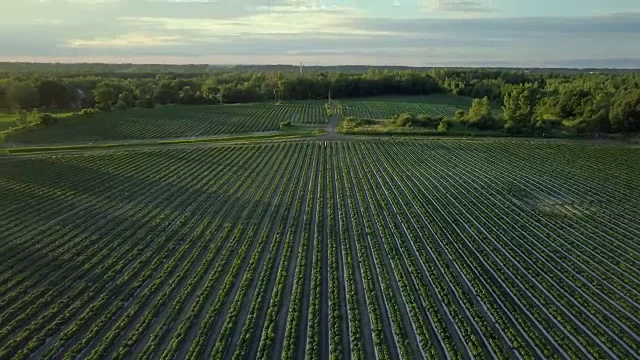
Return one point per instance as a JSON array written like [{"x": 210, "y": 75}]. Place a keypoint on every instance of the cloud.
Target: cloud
[
  {"x": 457, "y": 7},
  {"x": 224, "y": 32},
  {"x": 466, "y": 6},
  {"x": 127, "y": 40},
  {"x": 283, "y": 21}
]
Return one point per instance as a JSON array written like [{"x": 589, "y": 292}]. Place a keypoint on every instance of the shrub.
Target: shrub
[
  {"x": 403, "y": 120},
  {"x": 482, "y": 123},
  {"x": 144, "y": 103},
  {"x": 26, "y": 118},
  {"x": 425, "y": 120},
  {"x": 285, "y": 124},
  {"x": 103, "y": 107},
  {"x": 88, "y": 111},
  {"x": 512, "y": 127},
  {"x": 480, "y": 116},
  {"x": 47, "y": 119},
  {"x": 443, "y": 128},
  {"x": 409, "y": 120}
]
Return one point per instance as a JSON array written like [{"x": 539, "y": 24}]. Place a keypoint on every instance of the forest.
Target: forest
[{"x": 588, "y": 101}]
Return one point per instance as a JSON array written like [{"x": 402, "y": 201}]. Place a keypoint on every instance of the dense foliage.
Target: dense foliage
[{"x": 587, "y": 101}]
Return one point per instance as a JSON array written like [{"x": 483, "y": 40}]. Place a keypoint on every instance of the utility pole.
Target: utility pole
[{"x": 329, "y": 98}]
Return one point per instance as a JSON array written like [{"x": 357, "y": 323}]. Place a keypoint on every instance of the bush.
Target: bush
[
  {"x": 403, "y": 120},
  {"x": 144, "y": 103},
  {"x": 285, "y": 125},
  {"x": 480, "y": 116},
  {"x": 425, "y": 120},
  {"x": 47, "y": 119},
  {"x": 512, "y": 127},
  {"x": 482, "y": 123},
  {"x": 23, "y": 118},
  {"x": 88, "y": 111},
  {"x": 409, "y": 120},
  {"x": 443, "y": 127},
  {"x": 349, "y": 123},
  {"x": 103, "y": 107},
  {"x": 26, "y": 118},
  {"x": 459, "y": 115}
]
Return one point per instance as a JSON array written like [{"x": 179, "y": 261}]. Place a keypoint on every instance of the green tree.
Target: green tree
[
  {"x": 443, "y": 127},
  {"x": 625, "y": 111},
  {"x": 165, "y": 93},
  {"x": 47, "y": 119},
  {"x": 479, "y": 115},
  {"x": 4, "y": 101},
  {"x": 187, "y": 96},
  {"x": 22, "y": 95},
  {"x": 210, "y": 91},
  {"x": 125, "y": 100},
  {"x": 106, "y": 94},
  {"x": 53, "y": 93},
  {"x": 569, "y": 103},
  {"x": 520, "y": 104}
]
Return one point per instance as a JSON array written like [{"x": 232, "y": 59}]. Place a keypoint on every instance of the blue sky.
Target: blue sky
[{"x": 575, "y": 33}]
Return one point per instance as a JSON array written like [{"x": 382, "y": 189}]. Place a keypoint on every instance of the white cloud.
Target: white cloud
[
  {"x": 280, "y": 21},
  {"x": 128, "y": 40}
]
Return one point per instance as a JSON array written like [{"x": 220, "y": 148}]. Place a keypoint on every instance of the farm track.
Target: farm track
[{"x": 322, "y": 249}]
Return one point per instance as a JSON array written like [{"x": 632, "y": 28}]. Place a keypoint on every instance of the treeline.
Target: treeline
[{"x": 588, "y": 102}]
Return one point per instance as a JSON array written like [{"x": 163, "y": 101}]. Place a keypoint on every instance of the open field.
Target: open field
[
  {"x": 363, "y": 249},
  {"x": 7, "y": 121},
  {"x": 173, "y": 122}
]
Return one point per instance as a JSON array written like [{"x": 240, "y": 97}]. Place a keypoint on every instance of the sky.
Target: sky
[{"x": 519, "y": 33}]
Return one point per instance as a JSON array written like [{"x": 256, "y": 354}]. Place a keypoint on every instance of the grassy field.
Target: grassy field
[
  {"x": 173, "y": 122},
  {"x": 7, "y": 121},
  {"x": 313, "y": 249}
]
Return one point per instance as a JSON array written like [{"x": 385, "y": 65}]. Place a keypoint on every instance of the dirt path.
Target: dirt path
[{"x": 332, "y": 130}]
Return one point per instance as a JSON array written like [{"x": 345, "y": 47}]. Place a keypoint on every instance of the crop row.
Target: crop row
[
  {"x": 362, "y": 249},
  {"x": 176, "y": 122},
  {"x": 386, "y": 110}
]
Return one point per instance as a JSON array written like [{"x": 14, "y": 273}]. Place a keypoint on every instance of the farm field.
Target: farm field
[
  {"x": 312, "y": 249},
  {"x": 174, "y": 122},
  {"x": 381, "y": 108}
]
